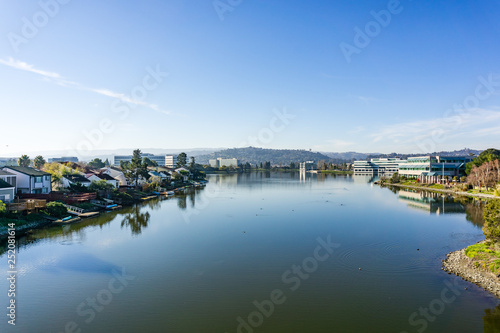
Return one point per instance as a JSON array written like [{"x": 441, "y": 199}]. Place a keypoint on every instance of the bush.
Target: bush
[
  {"x": 496, "y": 193},
  {"x": 56, "y": 209},
  {"x": 3, "y": 209},
  {"x": 491, "y": 216}
]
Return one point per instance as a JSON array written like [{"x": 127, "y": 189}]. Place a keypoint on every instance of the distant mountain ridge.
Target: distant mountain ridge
[
  {"x": 259, "y": 155},
  {"x": 255, "y": 155}
]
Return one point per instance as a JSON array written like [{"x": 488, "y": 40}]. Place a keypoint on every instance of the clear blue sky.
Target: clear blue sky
[{"x": 230, "y": 69}]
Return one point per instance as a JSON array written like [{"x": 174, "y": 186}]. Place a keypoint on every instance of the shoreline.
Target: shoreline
[
  {"x": 460, "y": 193},
  {"x": 458, "y": 263}
]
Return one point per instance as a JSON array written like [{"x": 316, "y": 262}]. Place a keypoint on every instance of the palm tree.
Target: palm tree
[
  {"x": 39, "y": 161},
  {"x": 24, "y": 161}
]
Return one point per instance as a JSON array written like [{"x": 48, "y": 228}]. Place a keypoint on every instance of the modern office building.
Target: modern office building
[
  {"x": 376, "y": 166},
  {"x": 170, "y": 161},
  {"x": 73, "y": 159},
  {"x": 220, "y": 162},
  {"x": 159, "y": 159},
  {"x": 434, "y": 167}
]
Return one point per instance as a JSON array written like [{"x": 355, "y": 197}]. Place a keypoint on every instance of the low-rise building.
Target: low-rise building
[
  {"x": 69, "y": 180},
  {"x": 170, "y": 161},
  {"x": 376, "y": 166},
  {"x": 73, "y": 159},
  {"x": 431, "y": 168},
  {"x": 30, "y": 180},
  {"x": 220, "y": 162},
  {"x": 7, "y": 191}
]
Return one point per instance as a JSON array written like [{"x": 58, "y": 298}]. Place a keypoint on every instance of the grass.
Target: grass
[
  {"x": 20, "y": 220},
  {"x": 485, "y": 255}
]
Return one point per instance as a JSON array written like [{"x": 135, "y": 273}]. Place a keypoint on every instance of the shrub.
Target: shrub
[
  {"x": 56, "y": 209},
  {"x": 3, "y": 210},
  {"x": 491, "y": 215}
]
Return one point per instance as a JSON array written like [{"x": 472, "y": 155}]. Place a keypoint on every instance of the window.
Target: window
[
  {"x": 47, "y": 178},
  {"x": 45, "y": 190},
  {"x": 38, "y": 179}
]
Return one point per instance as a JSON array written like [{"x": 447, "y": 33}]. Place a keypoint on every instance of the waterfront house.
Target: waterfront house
[
  {"x": 69, "y": 180},
  {"x": 108, "y": 179},
  {"x": 116, "y": 173},
  {"x": 30, "y": 180},
  {"x": 7, "y": 191}
]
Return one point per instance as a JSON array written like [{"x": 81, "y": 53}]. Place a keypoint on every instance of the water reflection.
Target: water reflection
[
  {"x": 491, "y": 320},
  {"x": 136, "y": 220}
]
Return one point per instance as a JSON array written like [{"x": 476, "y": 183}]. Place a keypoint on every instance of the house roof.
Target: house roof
[
  {"x": 5, "y": 173},
  {"x": 105, "y": 176},
  {"x": 4, "y": 184},
  {"x": 77, "y": 179},
  {"x": 28, "y": 171}
]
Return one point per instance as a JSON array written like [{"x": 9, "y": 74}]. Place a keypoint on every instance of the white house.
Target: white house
[
  {"x": 108, "y": 179},
  {"x": 30, "y": 180},
  {"x": 116, "y": 174},
  {"x": 73, "y": 180}
]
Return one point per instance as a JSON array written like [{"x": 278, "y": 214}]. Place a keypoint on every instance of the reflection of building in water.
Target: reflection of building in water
[
  {"x": 364, "y": 179},
  {"x": 434, "y": 203}
]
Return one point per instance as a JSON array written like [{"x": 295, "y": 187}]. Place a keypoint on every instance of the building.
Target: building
[
  {"x": 30, "y": 180},
  {"x": 7, "y": 191},
  {"x": 159, "y": 159},
  {"x": 8, "y": 177},
  {"x": 220, "y": 162},
  {"x": 378, "y": 166},
  {"x": 73, "y": 159},
  {"x": 116, "y": 174},
  {"x": 69, "y": 180},
  {"x": 170, "y": 161},
  {"x": 431, "y": 168}
]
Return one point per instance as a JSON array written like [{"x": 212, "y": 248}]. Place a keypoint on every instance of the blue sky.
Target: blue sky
[{"x": 233, "y": 73}]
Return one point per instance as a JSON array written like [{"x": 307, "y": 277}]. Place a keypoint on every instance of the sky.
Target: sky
[{"x": 333, "y": 76}]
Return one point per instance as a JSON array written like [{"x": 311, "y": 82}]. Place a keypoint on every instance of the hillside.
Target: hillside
[{"x": 259, "y": 155}]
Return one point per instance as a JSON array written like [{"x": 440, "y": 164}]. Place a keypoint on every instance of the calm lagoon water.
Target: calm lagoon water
[{"x": 256, "y": 253}]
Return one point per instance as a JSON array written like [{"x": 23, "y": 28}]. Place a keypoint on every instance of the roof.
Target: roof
[
  {"x": 5, "y": 173},
  {"x": 77, "y": 179},
  {"x": 4, "y": 184},
  {"x": 105, "y": 176},
  {"x": 28, "y": 171}
]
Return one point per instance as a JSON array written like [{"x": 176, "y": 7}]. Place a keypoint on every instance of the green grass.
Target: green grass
[{"x": 485, "y": 255}]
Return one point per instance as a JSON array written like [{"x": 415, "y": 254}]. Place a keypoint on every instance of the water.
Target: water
[{"x": 257, "y": 253}]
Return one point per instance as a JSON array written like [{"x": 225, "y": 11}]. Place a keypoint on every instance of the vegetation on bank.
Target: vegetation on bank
[{"x": 487, "y": 254}]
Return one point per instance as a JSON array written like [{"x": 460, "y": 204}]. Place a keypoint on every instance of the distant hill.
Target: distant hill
[
  {"x": 259, "y": 155},
  {"x": 461, "y": 152},
  {"x": 346, "y": 157}
]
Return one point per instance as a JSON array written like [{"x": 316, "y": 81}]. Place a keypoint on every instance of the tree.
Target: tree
[
  {"x": 192, "y": 164},
  {"x": 39, "y": 162},
  {"x": 485, "y": 156},
  {"x": 106, "y": 163},
  {"x": 491, "y": 216},
  {"x": 181, "y": 160},
  {"x": 135, "y": 168},
  {"x": 149, "y": 163},
  {"x": 24, "y": 161},
  {"x": 97, "y": 163},
  {"x": 101, "y": 185},
  {"x": 56, "y": 209},
  {"x": 3, "y": 210}
]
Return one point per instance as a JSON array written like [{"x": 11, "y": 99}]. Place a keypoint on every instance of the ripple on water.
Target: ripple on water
[{"x": 383, "y": 259}]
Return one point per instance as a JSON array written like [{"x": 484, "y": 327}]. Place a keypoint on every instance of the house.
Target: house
[
  {"x": 73, "y": 180},
  {"x": 8, "y": 177},
  {"x": 116, "y": 174},
  {"x": 7, "y": 191},
  {"x": 108, "y": 179},
  {"x": 162, "y": 175},
  {"x": 30, "y": 180}
]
